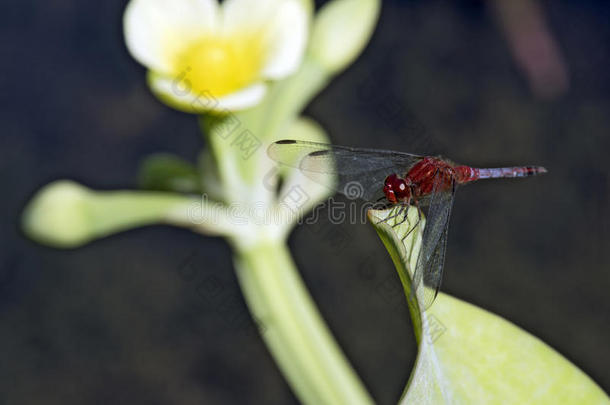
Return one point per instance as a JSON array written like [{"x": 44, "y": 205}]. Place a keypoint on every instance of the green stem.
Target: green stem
[
  {"x": 66, "y": 214},
  {"x": 293, "y": 329}
]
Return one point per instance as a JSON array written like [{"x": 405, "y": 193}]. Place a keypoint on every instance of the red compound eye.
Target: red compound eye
[{"x": 395, "y": 188}]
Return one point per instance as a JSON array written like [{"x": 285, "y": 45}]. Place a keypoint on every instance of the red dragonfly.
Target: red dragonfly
[{"x": 401, "y": 179}]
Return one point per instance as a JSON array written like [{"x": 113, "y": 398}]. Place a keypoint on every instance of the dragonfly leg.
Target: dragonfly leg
[
  {"x": 381, "y": 204},
  {"x": 392, "y": 216},
  {"x": 406, "y": 216},
  {"x": 417, "y": 223},
  {"x": 403, "y": 219}
]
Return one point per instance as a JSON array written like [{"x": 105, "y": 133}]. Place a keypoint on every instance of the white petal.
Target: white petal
[
  {"x": 285, "y": 26},
  {"x": 239, "y": 14},
  {"x": 289, "y": 41},
  {"x": 156, "y": 29},
  {"x": 179, "y": 95},
  {"x": 247, "y": 97}
]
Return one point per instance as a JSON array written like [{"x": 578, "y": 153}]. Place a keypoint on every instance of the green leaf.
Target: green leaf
[
  {"x": 165, "y": 172},
  {"x": 468, "y": 355}
]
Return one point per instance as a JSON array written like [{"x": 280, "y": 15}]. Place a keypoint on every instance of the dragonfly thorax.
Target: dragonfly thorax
[{"x": 430, "y": 175}]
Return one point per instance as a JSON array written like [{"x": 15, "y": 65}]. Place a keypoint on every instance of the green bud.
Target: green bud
[
  {"x": 65, "y": 214},
  {"x": 58, "y": 215},
  {"x": 341, "y": 30}
]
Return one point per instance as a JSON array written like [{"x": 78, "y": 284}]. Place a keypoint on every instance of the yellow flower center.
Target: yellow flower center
[{"x": 220, "y": 65}]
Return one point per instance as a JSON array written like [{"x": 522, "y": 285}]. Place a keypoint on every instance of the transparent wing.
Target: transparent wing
[
  {"x": 359, "y": 172},
  {"x": 429, "y": 268}
]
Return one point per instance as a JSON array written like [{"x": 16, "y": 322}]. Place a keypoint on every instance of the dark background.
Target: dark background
[{"x": 121, "y": 320}]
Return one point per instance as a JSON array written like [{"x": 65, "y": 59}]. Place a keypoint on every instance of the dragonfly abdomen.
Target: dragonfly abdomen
[{"x": 510, "y": 172}]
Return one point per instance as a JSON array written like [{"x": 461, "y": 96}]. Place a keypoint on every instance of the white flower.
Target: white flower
[
  {"x": 341, "y": 30},
  {"x": 204, "y": 56}
]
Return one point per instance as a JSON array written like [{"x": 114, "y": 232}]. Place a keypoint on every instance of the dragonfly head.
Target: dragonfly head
[{"x": 396, "y": 189}]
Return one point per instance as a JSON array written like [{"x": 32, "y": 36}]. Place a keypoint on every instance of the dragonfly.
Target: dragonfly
[{"x": 401, "y": 179}]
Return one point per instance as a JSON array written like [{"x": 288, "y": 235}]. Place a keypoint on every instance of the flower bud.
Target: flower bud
[{"x": 58, "y": 215}]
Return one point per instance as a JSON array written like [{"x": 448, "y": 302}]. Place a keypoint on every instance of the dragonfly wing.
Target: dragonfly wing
[
  {"x": 359, "y": 172},
  {"x": 429, "y": 268}
]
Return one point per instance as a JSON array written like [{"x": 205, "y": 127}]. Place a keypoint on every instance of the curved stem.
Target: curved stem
[{"x": 293, "y": 329}]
